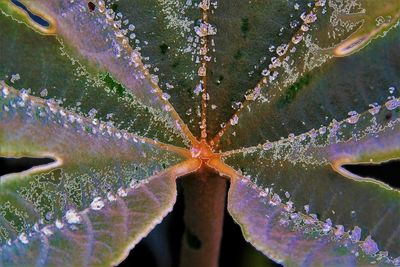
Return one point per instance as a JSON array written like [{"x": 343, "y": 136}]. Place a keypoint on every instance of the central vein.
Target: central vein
[{"x": 204, "y": 30}]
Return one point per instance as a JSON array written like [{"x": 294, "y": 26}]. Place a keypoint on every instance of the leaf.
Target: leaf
[
  {"x": 126, "y": 96},
  {"x": 294, "y": 239},
  {"x": 102, "y": 237},
  {"x": 163, "y": 33},
  {"x": 312, "y": 86},
  {"x": 242, "y": 47},
  {"x": 99, "y": 163},
  {"x": 305, "y": 174},
  {"x": 63, "y": 73}
]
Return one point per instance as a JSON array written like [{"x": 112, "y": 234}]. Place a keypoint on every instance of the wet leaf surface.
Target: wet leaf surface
[{"x": 279, "y": 97}]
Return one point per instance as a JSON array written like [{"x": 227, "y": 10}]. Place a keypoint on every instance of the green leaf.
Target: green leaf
[
  {"x": 102, "y": 236},
  {"x": 83, "y": 78},
  {"x": 126, "y": 96},
  {"x": 313, "y": 85},
  {"x": 305, "y": 171},
  {"x": 242, "y": 49},
  {"x": 93, "y": 159},
  {"x": 295, "y": 239},
  {"x": 163, "y": 32}
]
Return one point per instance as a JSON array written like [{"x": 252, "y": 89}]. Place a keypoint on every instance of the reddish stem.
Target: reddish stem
[{"x": 204, "y": 196}]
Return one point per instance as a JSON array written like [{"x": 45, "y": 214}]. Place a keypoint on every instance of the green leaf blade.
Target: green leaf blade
[
  {"x": 313, "y": 86},
  {"x": 102, "y": 237},
  {"x": 79, "y": 68},
  {"x": 292, "y": 238},
  {"x": 92, "y": 160},
  {"x": 306, "y": 170}
]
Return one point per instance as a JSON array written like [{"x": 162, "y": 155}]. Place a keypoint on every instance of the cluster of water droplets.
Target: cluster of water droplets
[
  {"x": 282, "y": 58},
  {"x": 72, "y": 218},
  {"x": 270, "y": 73},
  {"x": 332, "y": 132},
  {"x": 192, "y": 31},
  {"x": 123, "y": 32},
  {"x": 309, "y": 223},
  {"x": 121, "y": 45},
  {"x": 15, "y": 101}
]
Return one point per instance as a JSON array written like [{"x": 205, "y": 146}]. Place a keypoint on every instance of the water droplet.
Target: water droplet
[
  {"x": 47, "y": 231},
  {"x": 111, "y": 197},
  {"x": 327, "y": 226},
  {"x": 271, "y": 48},
  {"x": 204, "y": 4},
  {"x": 59, "y": 224},
  {"x": 267, "y": 145},
  {"x": 307, "y": 208},
  {"x": 154, "y": 79},
  {"x": 131, "y": 27},
  {"x": 165, "y": 96},
  {"x": 198, "y": 89},
  {"x": 355, "y": 235},
  {"x": 202, "y": 71},
  {"x": 294, "y": 216},
  {"x": 282, "y": 49},
  {"x": 308, "y": 18},
  {"x": 72, "y": 217},
  {"x": 309, "y": 220},
  {"x": 392, "y": 104},
  {"x": 44, "y": 92},
  {"x": 134, "y": 184},
  {"x": 297, "y": 38},
  {"x": 5, "y": 92},
  {"x": 265, "y": 72},
  {"x": 135, "y": 56},
  {"x": 15, "y": 77},
  {"x": 374, "y": 108},
  {"x": 275, "y": 200},
  {"x": 234, "y": 120},
  {"x": 36, "y": 227},
  {"x": 118, "y": 135},
  {"x": 97, "y": 204},
  {"x": 24, "y": 95},
  {"x": 121, "y": 192},
  {"x": 369, "y": 246},
  {"x": 289, "y": 206},
  {"x": 304, "y": 28},
  {"x": 276, "y": 62},
  {"x": 354, "y": 116},
  {"x": 23, "y": 238},
  {"x": 205, "y": 29},
  {"x": 92, "y": 112},
  {"x": 339, "y": 231},
  {"x": 49, "y": 216},
  {"x": 262, "y": 194}
]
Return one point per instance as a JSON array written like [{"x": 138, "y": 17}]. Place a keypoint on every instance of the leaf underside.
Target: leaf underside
[{"x": 121, "y": 95}]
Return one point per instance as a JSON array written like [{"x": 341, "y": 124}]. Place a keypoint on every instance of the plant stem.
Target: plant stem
[{"x": 204, "y": 196}]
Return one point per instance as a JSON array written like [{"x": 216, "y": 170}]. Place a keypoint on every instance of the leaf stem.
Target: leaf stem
[{"x": 204, "y": 196}]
